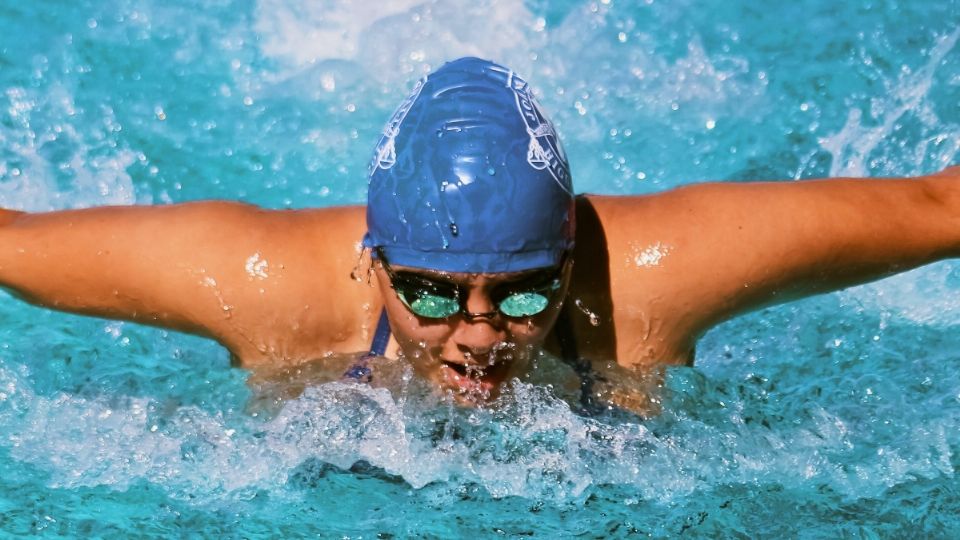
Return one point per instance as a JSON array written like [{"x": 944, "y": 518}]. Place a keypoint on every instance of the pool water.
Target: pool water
[{"x": 835, "y": 416}]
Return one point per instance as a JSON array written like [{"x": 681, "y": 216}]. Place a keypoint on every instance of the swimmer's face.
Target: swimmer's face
[{"x": 471, "y": 356}]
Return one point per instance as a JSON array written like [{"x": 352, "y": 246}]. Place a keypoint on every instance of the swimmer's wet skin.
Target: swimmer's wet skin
[{"x": 479, "y": 254}]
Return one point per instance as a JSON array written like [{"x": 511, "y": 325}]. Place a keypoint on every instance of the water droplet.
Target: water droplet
[
  {"x": 491, "y": 171},
  {"x": 594, "y": 319},
  {"x": 355, "y": 274}
]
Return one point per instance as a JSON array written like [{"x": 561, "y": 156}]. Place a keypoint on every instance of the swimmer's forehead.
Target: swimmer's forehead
[{"x": 504, "y": 277}]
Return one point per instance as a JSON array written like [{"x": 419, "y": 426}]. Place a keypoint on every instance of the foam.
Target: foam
[
  {"x": 926, "y": 296},
  {"x": 532, "y": 445}
]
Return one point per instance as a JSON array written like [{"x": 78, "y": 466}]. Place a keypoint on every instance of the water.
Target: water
[{"x": 837, "y": 416}]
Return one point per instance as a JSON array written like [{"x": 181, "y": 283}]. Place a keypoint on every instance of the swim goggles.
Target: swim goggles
[{"x": 438, "y": 299}]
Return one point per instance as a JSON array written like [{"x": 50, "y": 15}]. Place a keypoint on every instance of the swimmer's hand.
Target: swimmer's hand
[{"x": 632, "y": 390}]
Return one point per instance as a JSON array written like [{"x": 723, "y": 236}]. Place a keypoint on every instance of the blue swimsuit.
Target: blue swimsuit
[{"x": 360, "y": 371}]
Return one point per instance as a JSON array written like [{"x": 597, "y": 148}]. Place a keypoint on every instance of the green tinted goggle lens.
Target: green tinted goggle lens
[
  {"x": 435, "y": 299},
  {"x": 523, "y": 304},
  {"x": 432, "y": 306},
  {"x": 439, "y": 303}
]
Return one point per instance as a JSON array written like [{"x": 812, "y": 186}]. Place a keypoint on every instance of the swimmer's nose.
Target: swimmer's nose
[
  {"x": 475, "y": 341},
  {"x": 480, "y": 305},
  {"x": 479, "y": 330},
  {"x": 474, "y": 356}
]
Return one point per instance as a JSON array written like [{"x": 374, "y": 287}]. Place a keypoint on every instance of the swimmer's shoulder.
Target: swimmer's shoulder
[
  {"x": 291, "y": 287},
  {"x": 317, "y": 222},
  {"x": 623, "y": 303},
  {"x": 328, "y": 238}
]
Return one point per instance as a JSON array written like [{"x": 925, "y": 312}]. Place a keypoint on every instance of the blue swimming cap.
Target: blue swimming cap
[{"x": 469, "y": 176}]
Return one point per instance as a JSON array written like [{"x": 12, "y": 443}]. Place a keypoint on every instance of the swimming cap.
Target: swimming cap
[{"x": 469, "y": 176}]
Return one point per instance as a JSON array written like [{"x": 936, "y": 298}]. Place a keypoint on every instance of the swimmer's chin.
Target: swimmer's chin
[
  {"x": 475, "y": 387},
  {"x": 470, "y": 400},
  {"x": 466, "y": 392}
]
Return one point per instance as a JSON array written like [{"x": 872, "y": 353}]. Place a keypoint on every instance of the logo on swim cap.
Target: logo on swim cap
[
  {"x": 386, "y": 153},
  {"x": 543, "y": 151}
]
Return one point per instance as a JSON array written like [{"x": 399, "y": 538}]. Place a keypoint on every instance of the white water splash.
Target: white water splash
[
  {"x": 531, "y": 446},
  {"x": 53, "y": 165},
  {"x": 852, "y": 147},
  {"x": 307, "y": 32},
  {"x": 393, "y": 39},
  {"x": 927, "y": 295}
]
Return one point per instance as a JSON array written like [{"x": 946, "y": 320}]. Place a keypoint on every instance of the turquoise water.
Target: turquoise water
[{"x": 836, "y": 416}]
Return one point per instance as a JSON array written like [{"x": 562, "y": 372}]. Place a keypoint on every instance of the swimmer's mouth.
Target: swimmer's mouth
[{"x": 487, "y": 376}]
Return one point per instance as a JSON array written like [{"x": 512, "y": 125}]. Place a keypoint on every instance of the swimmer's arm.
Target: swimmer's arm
[
  {"x": 229, "y": 271},
  {"x": 136, "y": 263},
  {"x": 726, "y": 248}
]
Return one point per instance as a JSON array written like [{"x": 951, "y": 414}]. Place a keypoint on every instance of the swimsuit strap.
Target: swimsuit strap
[
  {"x": 360, "y": 370},
  {"x": 381, "y": 336}
]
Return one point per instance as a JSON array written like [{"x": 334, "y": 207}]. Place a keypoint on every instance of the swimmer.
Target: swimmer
[{"x": 473, "y": 256}]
